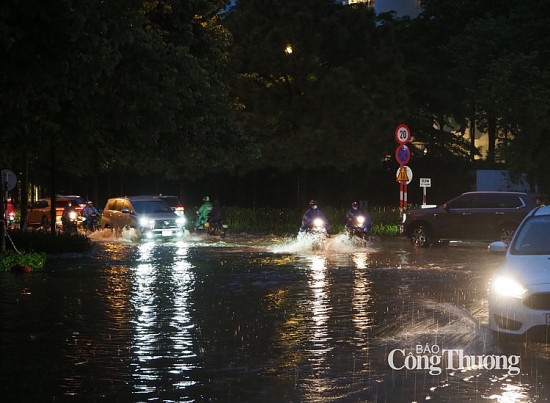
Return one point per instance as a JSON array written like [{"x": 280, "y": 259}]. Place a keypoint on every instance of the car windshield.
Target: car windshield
[
  {"x": 151, "y": 207},
  {"x": 172, "y": 201},
  {"x": 533, "y": 237}
]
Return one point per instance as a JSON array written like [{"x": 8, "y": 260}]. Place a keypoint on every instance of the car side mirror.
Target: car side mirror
[
  {"x": 497, "y": 247},
  {"x": 125, "y": 211}
]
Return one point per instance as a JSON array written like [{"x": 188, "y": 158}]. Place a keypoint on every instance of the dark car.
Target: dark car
[
  {"x": 174, "y": 203},
  {"x": 484, "y": 216}
]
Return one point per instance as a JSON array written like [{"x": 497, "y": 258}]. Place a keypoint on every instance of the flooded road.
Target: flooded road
[{"x": 262, "y": 319}]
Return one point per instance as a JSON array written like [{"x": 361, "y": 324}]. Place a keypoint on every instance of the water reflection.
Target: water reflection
[
  {"x": 319, "y": 310},
  {"x": 162, "y": 345}
]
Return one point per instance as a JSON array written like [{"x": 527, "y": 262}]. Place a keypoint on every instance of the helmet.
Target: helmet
[
  {"x": 354, "y": 205},
  {"x": 90, "y": 202},
  {"x": 206, "y": 198},
  {"x": 312, "y": 202}
]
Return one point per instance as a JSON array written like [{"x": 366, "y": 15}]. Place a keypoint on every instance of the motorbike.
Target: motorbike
[
  {"x": 216, "y": 228},
  {"x": 70, "y": 222},
  {"x": 91, "y": 222},
  {"x": 359, "y": 228},
  {"x": 316, "y": 232},
  {"x": 10, "y": 219}
]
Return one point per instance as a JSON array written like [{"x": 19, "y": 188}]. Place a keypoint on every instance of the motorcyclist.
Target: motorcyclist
[
  {"x": 310, "y": 214},
  {"x": 88, "y": 213},
  {"x": 69, "y": 225},
  {"x": 351, "y": 215},
  {"x": 203, "y": 212},
  {"x": 217, "y": 214}
]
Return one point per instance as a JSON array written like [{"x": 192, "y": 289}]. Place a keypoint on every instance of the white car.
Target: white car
[
  {"x": 151, "y": 216},
  {"x": 519, "y": 291}
]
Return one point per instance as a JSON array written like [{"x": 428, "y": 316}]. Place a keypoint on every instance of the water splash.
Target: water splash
[{"x": 306, "y": 243}]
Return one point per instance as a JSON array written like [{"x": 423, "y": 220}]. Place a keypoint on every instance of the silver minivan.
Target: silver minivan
[{"x": 149, "y": 215}]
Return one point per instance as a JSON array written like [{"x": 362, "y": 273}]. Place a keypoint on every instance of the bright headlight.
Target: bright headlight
[
  {"x": 318, "y": 222},
  {"x": 180, "y": 221},
  {"x": 145, "y": 222},
  {"x": 360, "y": 220},
  {"x": 72, "y": 215},
  {"x": 508, "y": 287}
]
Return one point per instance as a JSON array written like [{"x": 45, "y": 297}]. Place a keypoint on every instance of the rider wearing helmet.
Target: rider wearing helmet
[
  {"x": 88, "y": 212},
  {"x": 203, "y": 212},
  {"x": 354, "y": 212},
  {"x": 310, "y": 214}
]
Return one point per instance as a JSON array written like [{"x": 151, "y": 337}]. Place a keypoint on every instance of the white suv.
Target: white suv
[{"x": 149, "y": 215}]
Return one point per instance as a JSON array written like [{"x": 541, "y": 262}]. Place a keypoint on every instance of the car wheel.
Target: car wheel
[
  {"x": 506, "y": 234},
  {"x": 421, "y": 236}
]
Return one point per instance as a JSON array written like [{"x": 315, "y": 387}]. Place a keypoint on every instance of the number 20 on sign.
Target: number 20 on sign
[{"x": 402, "y": 134}]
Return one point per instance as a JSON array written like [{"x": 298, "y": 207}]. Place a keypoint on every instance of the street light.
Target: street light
[{"x": 288, "y": 49}]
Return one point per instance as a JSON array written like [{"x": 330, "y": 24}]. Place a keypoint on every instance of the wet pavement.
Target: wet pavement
[{"x": 262, "y": 319}]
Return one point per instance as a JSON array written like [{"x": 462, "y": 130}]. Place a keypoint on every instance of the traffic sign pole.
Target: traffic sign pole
[{"x": 403, "y": 155}]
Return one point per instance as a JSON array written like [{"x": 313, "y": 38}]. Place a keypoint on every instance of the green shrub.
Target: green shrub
[
  {"x": 34, "y": 260},
  {"x": 287, "y": 221}
]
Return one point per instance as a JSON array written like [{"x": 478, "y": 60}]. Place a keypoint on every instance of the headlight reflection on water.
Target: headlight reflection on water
[
  {"x": 319, "y": 305},
  {"x": 162, "y": 344}
]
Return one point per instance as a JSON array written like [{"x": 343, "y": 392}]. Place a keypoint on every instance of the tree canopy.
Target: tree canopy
[{"x": 180, "y": 89}]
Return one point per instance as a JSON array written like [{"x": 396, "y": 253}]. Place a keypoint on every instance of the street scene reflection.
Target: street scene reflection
[{"x": 252, "y": 318}]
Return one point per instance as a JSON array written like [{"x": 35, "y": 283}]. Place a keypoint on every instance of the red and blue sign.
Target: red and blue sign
[{"x": 402, "y": 154}]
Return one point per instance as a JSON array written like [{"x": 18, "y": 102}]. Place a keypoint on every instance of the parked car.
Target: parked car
[
  {"x": 174, "y": 203},
  {"x": 149, "y": 215},
  {"x": 519, "y": 291},
  {"x": 484, "y": 216},
  {"x": 38, "y": 213}
]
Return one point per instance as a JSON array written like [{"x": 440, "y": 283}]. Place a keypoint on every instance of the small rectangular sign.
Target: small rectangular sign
[{"x": 425, "y": 182}]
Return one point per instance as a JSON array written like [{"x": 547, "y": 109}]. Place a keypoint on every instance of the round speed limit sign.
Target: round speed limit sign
[{"x": 402, "y": 134}]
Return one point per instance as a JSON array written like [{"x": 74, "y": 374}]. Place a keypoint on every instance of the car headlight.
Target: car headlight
[
  {"x": 145, "y": 222},
  {"x": 508, "y": 287},
  {"x": 180, "y": 221}
]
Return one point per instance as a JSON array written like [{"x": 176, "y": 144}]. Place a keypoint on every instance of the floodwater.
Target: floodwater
[{"x": 261, "y": 319}]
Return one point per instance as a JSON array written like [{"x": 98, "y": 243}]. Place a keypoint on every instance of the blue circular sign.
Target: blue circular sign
[{"x": 402, "y": 154}]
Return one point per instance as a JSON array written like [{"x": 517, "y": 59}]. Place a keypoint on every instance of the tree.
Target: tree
[
  {"x": 102, "y": 84},
  {"x": 319, "y": 83}
]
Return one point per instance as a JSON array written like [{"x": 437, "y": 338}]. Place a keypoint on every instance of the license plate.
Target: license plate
[{"x": 166, "y": 232}]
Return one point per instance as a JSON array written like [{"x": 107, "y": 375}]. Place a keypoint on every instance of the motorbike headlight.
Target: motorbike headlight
[
  {"x": 404, "y": 217},
  {"x": 180, "y": 221},
  {"x": 318, "y": 222},
  {"x": 73, "y": 215},
  {"x": 360, "y": 220},
  {"x": 508, "y": 287}
]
